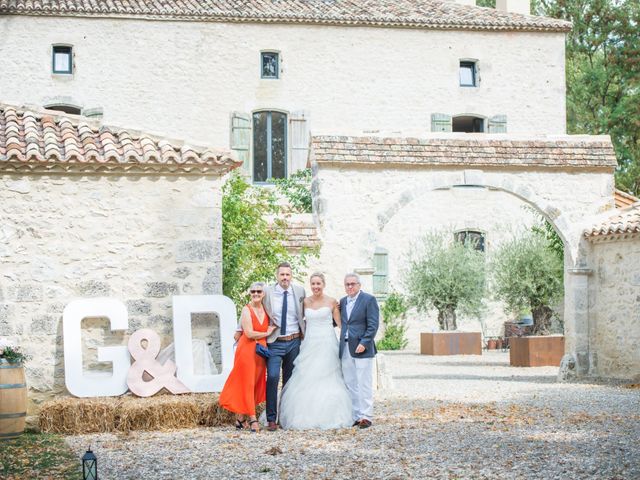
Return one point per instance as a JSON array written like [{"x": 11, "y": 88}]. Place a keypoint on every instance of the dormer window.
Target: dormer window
[
  {"x": 468, "y": 74},
  {"x": 270, "y": 65},
  {"x": 62, "y": 59}
]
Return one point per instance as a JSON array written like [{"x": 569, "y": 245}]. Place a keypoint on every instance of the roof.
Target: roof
[
  {"x": 431, "y": 14},
  {"x": 46, "y": 140},
  {"x": 623, "y": 199},
  {"x": 301, "y": 234},
  {"x": 566, "y": 151},
  {"x": 625, "y": 221}
]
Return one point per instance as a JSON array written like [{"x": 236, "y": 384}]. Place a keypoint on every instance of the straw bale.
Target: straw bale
[
  {"x": 79, "y": 415},
  {"x": 126, "y": 413},
  {"x": 161, "y": 412}
]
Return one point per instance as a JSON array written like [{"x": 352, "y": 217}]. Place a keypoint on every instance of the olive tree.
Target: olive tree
[
  {"x": 527, "y": 273},
  {"x": 447, "y": 275}
]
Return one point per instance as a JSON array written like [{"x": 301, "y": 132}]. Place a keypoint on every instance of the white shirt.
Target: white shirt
[
  {"x": 276, "y": 308},
  {"x": 351, "y": 301}
]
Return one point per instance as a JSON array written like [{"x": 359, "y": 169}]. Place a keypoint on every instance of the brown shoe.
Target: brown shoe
[
  {"x": 272, "y": 426},
  {"x": 364, "y": 423}
]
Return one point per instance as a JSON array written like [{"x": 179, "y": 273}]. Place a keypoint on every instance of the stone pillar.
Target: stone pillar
[{"x": 577, "y": 359}]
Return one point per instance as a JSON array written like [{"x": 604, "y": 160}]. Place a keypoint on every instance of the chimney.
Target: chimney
[{"x": 514, "y": 6}]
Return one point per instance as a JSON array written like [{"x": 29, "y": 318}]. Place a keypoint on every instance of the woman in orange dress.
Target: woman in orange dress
[{"x": 246, "y": 386}]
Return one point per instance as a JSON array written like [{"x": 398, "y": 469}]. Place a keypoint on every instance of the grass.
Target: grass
[{"x": 38, "y": 456}]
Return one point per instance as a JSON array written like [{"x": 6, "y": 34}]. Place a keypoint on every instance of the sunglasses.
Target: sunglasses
[{"x": 255, "y": 291}]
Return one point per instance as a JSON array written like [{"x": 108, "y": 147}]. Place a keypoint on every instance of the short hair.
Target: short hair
[
  {"x": 320, "y": 275},
  {"x": 353, "y": 275},
  {"x": 255, "y": 285},
  {"x": 283, "y": 265}
]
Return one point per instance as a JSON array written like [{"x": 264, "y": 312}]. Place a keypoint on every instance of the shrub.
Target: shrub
[
  {"x": 252, "y": 246},
  {"x": 394, "y": 311},
  {"x": 447, "y": 275},
  {"x": 297, "y": 189}
]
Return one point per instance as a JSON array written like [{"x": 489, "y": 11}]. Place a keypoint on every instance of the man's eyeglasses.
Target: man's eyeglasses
[
  {"x": 350, "y": 284},
  {"x": 255, "y": 291}
]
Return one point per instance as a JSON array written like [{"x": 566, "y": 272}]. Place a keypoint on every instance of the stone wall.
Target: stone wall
[
  {"x": 183, "y": 79},
  {"x": 614, "y": 308},
  {"x": 139, "y": 239}
]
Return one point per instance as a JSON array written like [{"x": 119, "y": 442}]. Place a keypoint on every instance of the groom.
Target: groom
[
  {"x": 283, "y": 303},
  {"x": 360, "y": 317}
]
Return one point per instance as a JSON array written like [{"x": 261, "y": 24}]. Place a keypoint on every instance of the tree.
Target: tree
[
  {"x": 603, "y": 75},
  {"x": 297, "y": 189},
  {"x": 528, "y": 274},
  {"x": 252, "y": 246},
  {"x": 447, "y": 275},
  {"x": 394, "y": 310}
]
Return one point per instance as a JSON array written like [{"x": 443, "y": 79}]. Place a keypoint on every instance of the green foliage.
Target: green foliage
[
  {"x": 528, "y": 275},
  {"x": 297, "y": 189},
  {"x": 12, "y": 354},
  {"x": 603, "y": 75},
  {"x": 394, "y": 311},
  {"x": 38, "y": 456},
  {"x": 252, "y": 246},
  {"x": 446, "y": 275},
  {"x": 548, "y": 233}
]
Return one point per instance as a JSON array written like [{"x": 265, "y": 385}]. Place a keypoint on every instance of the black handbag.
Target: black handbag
[{"x": 262, "y": 351}]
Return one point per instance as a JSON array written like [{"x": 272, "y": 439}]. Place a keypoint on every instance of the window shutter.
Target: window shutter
[
  {"x": 299, "y": 132},
  {"x": 498, "y": 124},
  {"x": 380, "y": 272},
  {"x": 440, "y": 122},
  {"x": 241, "y": 138}
]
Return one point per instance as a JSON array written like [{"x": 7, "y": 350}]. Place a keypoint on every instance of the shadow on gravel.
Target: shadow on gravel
[{"x": 480, "y": 378}]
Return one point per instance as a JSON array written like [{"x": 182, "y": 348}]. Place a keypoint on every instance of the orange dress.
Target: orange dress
[{"x": 246, "y": 386}]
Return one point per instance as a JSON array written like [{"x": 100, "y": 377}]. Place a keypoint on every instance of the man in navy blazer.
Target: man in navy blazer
[{"x": 360, "y": 314}]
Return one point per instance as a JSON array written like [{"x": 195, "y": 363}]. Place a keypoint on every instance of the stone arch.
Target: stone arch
[{"x": 520, "y": 190}]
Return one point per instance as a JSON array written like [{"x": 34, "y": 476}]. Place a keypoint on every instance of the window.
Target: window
[
  {"x": 269, "y": 146},
  {"x": 270, "y": 65},
  {"x": 468, "y": 124},
  {"x": 470, "y": 237},
  {"x": 62, "y": 59},
  {"x": 468, "y": 74},
  {"x": 380, "y": 272}
]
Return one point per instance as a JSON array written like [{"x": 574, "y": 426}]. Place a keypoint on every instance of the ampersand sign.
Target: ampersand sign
[{"x": 145, "y": 361}]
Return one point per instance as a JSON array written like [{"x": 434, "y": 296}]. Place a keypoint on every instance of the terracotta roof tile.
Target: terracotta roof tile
[
  {"x": 581, "y": 151},
  {"x": 433, "y": 14},
  {"x": 301, "y": 234},
  {"x": 623, "y": 199},
  {"x": 626, "y": 221},
  {"x": 42, "y": 140}
]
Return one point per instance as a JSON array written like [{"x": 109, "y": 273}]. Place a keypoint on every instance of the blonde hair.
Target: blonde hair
[{"x": 320, "y": 275}]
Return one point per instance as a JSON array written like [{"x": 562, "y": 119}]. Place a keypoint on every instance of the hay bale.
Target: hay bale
[
  {"x": 211, "y": 413},
  {"x": 161, "y": 412},
  {"x": 79, "y": 415}
]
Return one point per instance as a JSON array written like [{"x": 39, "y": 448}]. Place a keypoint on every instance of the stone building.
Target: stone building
[
  {"x": 260, "y": 78},
  {"x": 89, "y": 211}
]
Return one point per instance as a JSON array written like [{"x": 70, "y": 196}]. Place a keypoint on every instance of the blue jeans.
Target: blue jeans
[{"x": 282, "y": 355}]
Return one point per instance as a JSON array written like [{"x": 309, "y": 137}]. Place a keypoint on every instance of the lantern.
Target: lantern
[{"x": 89, "y": 466}]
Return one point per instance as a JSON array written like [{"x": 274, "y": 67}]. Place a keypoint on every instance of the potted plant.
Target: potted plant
[
  {"x": 449, "y": 276},
  {"x": 13, "y": 390},
  {"x": 527, "y": 275}
]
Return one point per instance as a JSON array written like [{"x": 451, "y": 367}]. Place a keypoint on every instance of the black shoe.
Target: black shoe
[{"x": 364, "y": 423}]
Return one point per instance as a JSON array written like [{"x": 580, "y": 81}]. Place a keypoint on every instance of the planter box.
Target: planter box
[
  {"x": 451, "y": 343},
  {"x": 538, "y": 351}
]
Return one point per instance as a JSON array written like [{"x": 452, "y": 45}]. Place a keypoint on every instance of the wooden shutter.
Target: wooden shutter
[
  {"x": 440, "y": 122},
  {"x": 380, "y": 272},
  {"x": 498, "y": 124},
  {"x": 241, "y": 138},
  {"x": 299, "y": 134}
]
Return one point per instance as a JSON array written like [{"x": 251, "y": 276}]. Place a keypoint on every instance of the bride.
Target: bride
[{"x": 316, "y": 396}]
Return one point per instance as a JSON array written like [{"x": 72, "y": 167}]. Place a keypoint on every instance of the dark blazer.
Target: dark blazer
[{"x": 362, "y": 326}]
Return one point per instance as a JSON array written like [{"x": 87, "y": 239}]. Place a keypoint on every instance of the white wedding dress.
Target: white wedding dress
[{"x": 315, "y": 396}]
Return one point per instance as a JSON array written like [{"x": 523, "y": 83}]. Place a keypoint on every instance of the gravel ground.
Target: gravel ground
[{"x": 446, "y": 417}]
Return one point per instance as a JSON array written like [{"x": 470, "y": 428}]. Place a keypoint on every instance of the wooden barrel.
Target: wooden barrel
[{"x": 13, "y": 400}]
